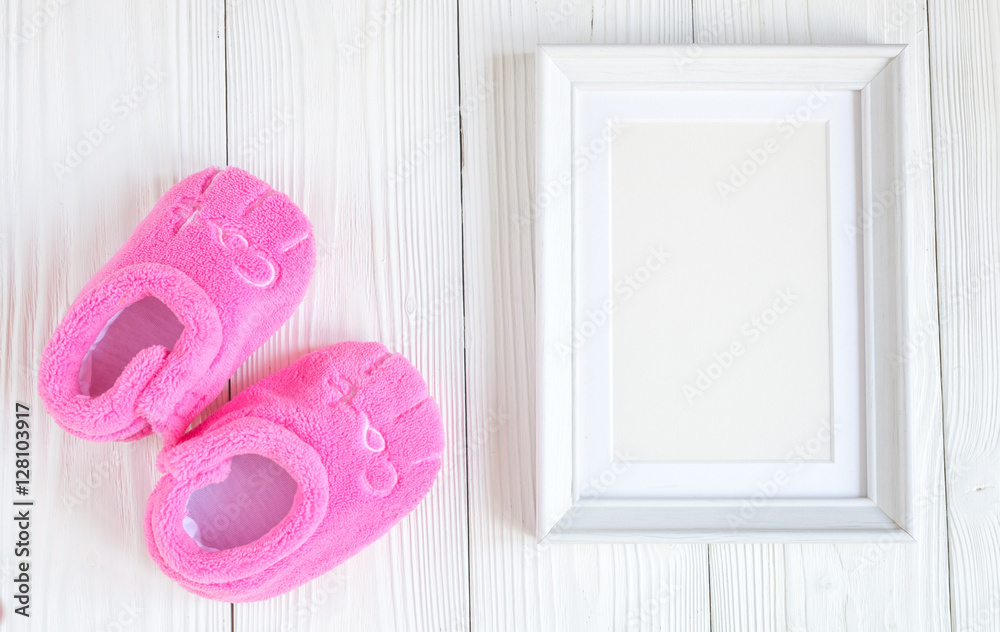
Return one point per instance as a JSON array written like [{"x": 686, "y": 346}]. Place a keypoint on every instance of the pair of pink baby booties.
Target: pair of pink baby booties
[{"x": 296, "y": 473}]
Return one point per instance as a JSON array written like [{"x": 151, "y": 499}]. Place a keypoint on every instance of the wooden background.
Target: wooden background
[{"x": 405, "y": 130}]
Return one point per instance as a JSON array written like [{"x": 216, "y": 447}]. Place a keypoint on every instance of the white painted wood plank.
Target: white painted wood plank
[
  {"x": 151, "y": 75},
  {"x": 748, "y": 576},
  {"x": 965, "y": 44},
  {"x": 517, "y": 584},
  {"x": 875, "y": 586},
  {"x": 352, "y": 110}
]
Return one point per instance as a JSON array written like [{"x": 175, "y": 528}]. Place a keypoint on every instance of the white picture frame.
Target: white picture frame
[{"x": 568, "y": 509}]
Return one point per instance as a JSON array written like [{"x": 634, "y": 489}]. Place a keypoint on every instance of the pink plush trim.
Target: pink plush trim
[
  {"x": 205, "y": 460},
  {"x": 369, "y": 420},
  {"x": 222, "y": 247},
  {"x": 127, "y": 407}
]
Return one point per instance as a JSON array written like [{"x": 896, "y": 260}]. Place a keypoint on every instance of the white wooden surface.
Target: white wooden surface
[
  {"x": 338, "y": 121},
  {"x": 63, "y": 70},
  {"x": 405, "y": 129},
  {"x": 965, "y": 80}
]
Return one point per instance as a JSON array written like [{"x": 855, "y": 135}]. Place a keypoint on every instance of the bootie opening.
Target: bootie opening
[
  {"x": 253, "y": 499},
  {"x": 145, "y": 323}
]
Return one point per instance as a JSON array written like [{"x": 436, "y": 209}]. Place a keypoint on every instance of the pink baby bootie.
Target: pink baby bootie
[
  {"x": 295, "y": 474},
  {"x": 217, "y": 266}
]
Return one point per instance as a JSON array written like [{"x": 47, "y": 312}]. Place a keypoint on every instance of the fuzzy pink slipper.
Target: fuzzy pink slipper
[
  {"x": 295, "y": 474},
  {"x": 217, "y": 266}
]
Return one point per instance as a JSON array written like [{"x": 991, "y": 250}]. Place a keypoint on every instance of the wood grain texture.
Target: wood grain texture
[
  {"x": 748, "y": 576},
  {"x": 966, "y": 92},
  {"x": 355, "y": 111},
  {"x": 517, "y": 584},
  {"x": 137, "y": 92},
  {"x": 875, "y": 586},
  {"x": 352, "y": 110}
]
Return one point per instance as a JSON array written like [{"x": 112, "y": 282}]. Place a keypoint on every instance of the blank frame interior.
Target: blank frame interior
[{"x": 722, "y": 350}]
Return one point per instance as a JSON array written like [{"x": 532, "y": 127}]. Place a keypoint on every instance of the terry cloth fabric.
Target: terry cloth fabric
[
  {"x": 216, "y": 267},
  {"x": 358, "y": 437}
]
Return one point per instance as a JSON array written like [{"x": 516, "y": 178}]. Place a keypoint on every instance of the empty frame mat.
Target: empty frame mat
[
  {"x": 719, "y": 233},
  {"x": 717, "y": 291}
]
